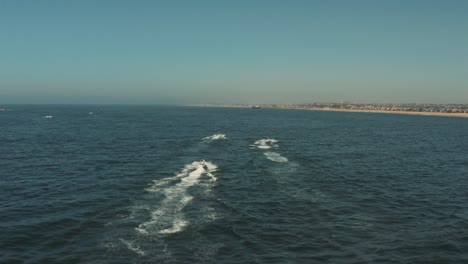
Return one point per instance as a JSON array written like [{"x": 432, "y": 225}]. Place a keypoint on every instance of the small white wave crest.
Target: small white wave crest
[
  {"x": 177, "y": 226},
  {"x": 276, "y": 157},
  {"x": 215, "y": 137},
  {"x": 130, "y": 245},
  {"x": 266, "y": 143}
]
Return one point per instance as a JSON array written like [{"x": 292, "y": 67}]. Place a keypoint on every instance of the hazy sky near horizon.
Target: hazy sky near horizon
[{"x": 271, "y": 51}]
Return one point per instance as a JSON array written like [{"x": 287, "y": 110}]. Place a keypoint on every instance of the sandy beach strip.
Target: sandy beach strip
[
  {"x": 389, "y": 112},
  {"x": 349, "y": 110}
]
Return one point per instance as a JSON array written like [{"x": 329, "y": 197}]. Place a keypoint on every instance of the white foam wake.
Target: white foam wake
[
  {"x": 276, "y": 157},
  {"x": 215, "y": 137},
  {"x": 168, "y": 218},
  {"x": 266, "y": 143},
  {"x": 130, "y": 245}
]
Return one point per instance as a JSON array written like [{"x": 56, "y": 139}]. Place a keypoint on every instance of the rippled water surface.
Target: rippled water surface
[{"x": 124, "y": 184}]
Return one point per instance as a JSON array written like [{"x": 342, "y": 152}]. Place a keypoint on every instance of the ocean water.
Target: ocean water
[{"x": 124, "y": 184}]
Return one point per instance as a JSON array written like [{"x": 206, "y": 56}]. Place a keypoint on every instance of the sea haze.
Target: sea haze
[{"x": 124, "y": 184}]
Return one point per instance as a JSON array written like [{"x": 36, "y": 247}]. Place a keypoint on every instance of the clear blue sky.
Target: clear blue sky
[{"x": 182, "y": 52}]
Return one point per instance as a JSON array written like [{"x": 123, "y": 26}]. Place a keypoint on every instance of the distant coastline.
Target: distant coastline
[{"x": 336, "y": 109}]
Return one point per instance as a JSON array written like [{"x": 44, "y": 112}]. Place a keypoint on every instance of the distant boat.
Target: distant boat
[{"x": 256, "y": 107}]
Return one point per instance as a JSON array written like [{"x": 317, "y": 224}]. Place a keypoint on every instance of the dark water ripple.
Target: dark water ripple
[{"x": 110, "y": 187}]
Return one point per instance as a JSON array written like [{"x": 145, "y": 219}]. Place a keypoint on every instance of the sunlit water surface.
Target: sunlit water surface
[{"x": 124, "y": 184}]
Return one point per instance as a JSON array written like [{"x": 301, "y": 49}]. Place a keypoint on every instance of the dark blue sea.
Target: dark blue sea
[{"x": 125, "y": 184}]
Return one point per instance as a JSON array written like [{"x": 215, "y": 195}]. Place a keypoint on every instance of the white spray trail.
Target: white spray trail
[
  {"x": 168, "y": 218},
  {"x": 268, "y": 144}
]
